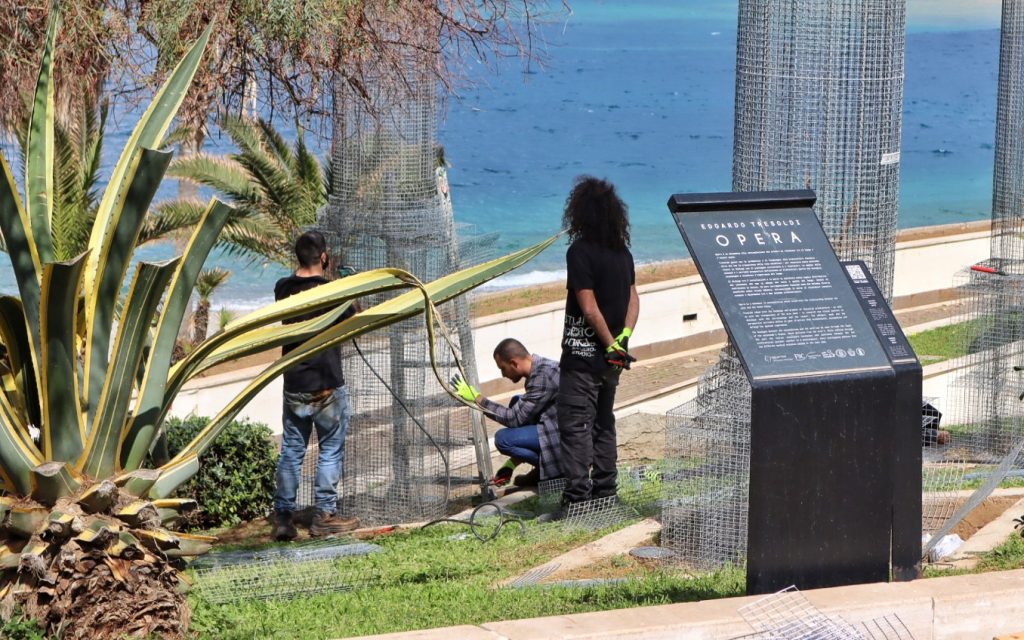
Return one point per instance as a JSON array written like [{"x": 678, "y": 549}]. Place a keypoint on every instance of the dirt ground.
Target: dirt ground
[{"x": 990, "y": 509}]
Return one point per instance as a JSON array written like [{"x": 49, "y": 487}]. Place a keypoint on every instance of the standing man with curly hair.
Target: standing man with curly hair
[{"x": 601, "y": 310}]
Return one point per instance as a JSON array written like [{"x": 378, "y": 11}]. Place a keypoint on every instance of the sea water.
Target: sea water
[{"x": 641, "y": 92}]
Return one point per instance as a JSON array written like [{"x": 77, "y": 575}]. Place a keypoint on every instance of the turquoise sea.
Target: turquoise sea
[{"x": 641, "y": 92}]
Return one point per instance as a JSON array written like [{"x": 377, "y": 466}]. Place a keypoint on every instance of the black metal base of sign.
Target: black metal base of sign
[{"x": 820, "y": 482}]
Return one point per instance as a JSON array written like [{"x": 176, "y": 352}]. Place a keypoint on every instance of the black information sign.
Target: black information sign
[
  {"x": 781, "y": 292},
  {"x": 832, "y": 428}
]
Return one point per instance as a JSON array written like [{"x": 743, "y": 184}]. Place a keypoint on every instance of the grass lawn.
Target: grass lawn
[
  {"x": 942, "y": 343},
  {"x": 436, "y": 577}
]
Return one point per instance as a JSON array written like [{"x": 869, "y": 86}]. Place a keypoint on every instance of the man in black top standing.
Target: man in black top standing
[
  {"x": 315, "y": 396},
  {"x": 601, "y": 310}
]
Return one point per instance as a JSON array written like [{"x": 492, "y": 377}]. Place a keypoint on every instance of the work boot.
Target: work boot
[
  {"x": 331, "y": 524},
  {"x": 284, "y": 530},
  {"x": 528, "y": 479}
]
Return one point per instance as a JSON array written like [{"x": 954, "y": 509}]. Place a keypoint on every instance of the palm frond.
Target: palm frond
[
  {"x": 169, "y": 217},
  {"x": 209, "y": 280},
  {"x": 276, "y": 143},
  {"x": 217, "y": 172}
]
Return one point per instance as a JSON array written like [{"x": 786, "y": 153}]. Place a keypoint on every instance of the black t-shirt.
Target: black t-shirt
[
  {"x": 610, "y": 274},
  {"x": 319, "y": 372}
]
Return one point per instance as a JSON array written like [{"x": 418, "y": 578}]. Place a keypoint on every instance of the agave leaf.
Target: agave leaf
[
  {"x": 158, "y": 539},
  {"x": 62, "y": 427},
  {"x": 27, "y": 520},
  {"x": 39, "y": 148},
  {"x": 149, "y": 408},
  {"x": 15, "y": 337},
  {"x": 100, "y": 457},
  {"x": 312, "y": 300},
  {"x": 171, "y": 509},
  {"x": 18, "y": 456},
  {"x": 6, "y": 503},
  {"x": 60, "y": 525},
  {"x": 148, "y": 133},
  {"x": 52, "y": 481},
  {"x": 265, "y": 338},
  {"x": 389, "y": 312},
  {"x": 190, "y": 545},
  {"x": 99, "y": 534},
  {"x": 140, "y": 513},
  {"x": 138, "y": 482},
  {"x": 99, "y": 497},
  {"x": 173, "y": 475},
  {"x": 9, "y": 559},
  {"x": 21, "y": 248},
  {"x": 126, "y": 219},
  {"x": 126, "y": 547},
  {"x": 160, "y": 386}
]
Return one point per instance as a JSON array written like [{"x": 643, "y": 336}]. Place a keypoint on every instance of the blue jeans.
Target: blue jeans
[
  {"x": 521, "y": 443},
  {"x": 330, "y": 417}
]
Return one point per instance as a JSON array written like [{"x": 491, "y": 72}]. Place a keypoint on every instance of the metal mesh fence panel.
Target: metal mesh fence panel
[
  {"x": 819, "y": 100},
  {"x": 707, "y": 476},
  {"x": 986, "y": 421},
  {"x": 788, "y": 615},
  {"x": 409, "y": 448}
]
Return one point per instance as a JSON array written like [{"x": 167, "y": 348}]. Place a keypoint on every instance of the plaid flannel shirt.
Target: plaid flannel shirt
[{"x": 537, "y": 405}]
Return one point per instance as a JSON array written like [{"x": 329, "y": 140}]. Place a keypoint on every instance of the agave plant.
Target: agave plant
[{"x": 84, "y": 389}]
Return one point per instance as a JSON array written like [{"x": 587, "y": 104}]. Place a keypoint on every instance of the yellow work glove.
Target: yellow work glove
[
  {"x": 617, "y": 356},
  {"x": 463, "y": 388},
  {"x": 623, "y": 338}
]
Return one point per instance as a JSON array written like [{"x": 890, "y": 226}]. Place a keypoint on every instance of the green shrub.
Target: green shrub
[
  {"x": 20, "y": 628},
  {"x": 235, "y": 482}
]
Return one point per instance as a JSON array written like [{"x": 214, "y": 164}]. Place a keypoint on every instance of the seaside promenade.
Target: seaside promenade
[{"x": 678, "y": 333}]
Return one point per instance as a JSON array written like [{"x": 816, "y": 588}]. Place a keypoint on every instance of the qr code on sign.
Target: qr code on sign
[{"x": 856, "y": 272}]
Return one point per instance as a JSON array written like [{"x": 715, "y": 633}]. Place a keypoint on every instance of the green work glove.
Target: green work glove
[
  {"x": 623, "y": 338},
  {"x": 463, "y": 388}
]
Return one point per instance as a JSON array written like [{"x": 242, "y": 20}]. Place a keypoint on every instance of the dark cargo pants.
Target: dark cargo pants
[{"x": 586, "y": 425}]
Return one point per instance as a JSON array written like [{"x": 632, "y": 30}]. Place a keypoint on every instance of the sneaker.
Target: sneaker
[
  {"x": 331, "y": 524},
  {"x": 284, "y": 530},
  {"x": 529, "y": 479},
  {"x": 502, "y": 476}
]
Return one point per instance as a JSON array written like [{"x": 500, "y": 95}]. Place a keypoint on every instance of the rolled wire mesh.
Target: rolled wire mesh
[
  {"x": 986, "y": 419},
  {"x": 281, "y": 573},
  {"x": 639, "y": 492},
  {"x": 410, "y": 448},
  {"x": 707, "y": 476},
  {"x": 819, "y": 100}
]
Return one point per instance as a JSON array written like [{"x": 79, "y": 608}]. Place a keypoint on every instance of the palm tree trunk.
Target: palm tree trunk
[{"x": 201, "y": 321}]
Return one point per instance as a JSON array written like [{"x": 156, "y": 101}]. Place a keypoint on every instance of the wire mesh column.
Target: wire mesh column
[
  {"x": 985, "y": 417},
  {"x": 819, "y": 99},
  {"x": 408, "y": 444}
]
